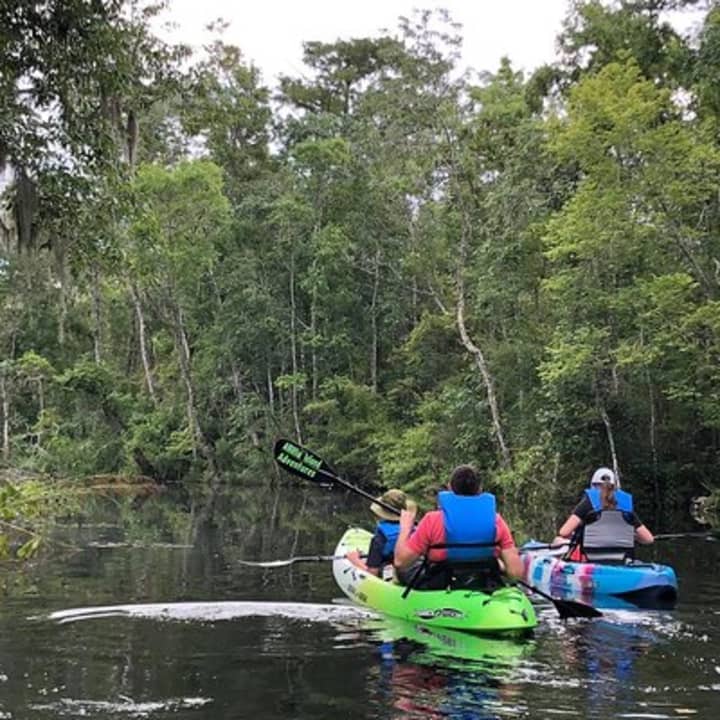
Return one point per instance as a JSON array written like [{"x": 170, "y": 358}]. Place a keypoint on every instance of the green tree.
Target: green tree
[
  {"x": 180, "y": 216},
  {"x": 632, "y": 250}
]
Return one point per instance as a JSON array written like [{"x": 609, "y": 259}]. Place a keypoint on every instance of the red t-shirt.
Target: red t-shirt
[{"x": 431, "y": 531}]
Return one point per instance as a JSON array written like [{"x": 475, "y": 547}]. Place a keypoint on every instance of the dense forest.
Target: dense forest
[{"x": 399, "y": 263}]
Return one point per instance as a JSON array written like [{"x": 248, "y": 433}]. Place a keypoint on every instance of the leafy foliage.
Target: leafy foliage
[{"x": 405, "y": 267}]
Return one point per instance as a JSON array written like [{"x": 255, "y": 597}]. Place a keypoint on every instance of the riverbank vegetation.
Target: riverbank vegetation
[{"x": 400, "y": 265}]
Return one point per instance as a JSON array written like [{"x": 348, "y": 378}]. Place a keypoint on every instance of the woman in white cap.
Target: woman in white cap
[
  {"x": 382, "y": 545},
  {"x": 604, "y": 524}
]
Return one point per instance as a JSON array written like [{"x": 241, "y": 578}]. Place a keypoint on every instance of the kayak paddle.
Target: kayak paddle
[
  {"x": 543, "y": 546},
  {"x": 662, "y": 536},
  {"x": 566, "y": 608},
  {"x": 299, "y": 461},
  {"x": 290, "y": 561},
  {"x": 710, "y": 535}
]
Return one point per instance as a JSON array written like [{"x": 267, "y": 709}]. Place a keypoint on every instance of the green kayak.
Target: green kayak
[{"x": 505, "y": 611}]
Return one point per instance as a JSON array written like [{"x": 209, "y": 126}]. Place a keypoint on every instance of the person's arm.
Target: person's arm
[
  {"x": 567, "y": 530},
  {"x": 643, "y": 535},
  {"x": 404, "y": 556},
  {"x": 374, "y": 559},
  {"x": 510, "y": 562},
  {"x": 513, "y": 565},
  {"x": 579, "y": 515},
  {"x": 354, "y": 557}
]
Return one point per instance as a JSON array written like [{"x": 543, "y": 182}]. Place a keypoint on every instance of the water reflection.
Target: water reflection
[
  {"x": 435, "y": 673},
  {"x": 418, "y": 686},
  {"x": 430, "y": 645},
  {"x": 138, "y": 624},
  {"x": 605, "y": 654},
  {"x": 586, "y": 668}
]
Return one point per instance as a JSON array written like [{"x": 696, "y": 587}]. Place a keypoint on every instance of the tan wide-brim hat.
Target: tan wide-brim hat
[{"x": 394, "y": 498}]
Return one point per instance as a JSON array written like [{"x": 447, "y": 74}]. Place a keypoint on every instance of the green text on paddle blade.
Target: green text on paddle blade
[{"x": 296, "y": 459}]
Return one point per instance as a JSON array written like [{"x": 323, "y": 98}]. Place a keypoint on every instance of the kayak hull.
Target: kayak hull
[
  {"x": 633, "y": 585},
  {"x": 495, "y": 654},
  {"x": 505, "y": 611}
]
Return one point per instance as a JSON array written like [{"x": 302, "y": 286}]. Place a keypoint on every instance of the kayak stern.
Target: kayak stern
[{"x": 506, "y": 611}]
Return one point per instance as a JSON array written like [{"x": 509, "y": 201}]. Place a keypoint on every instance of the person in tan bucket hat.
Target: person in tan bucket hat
[{"x": 382, "y": 545}]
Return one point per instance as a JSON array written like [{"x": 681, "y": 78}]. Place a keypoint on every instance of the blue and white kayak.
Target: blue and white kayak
[{"x": 633, "y": 584}]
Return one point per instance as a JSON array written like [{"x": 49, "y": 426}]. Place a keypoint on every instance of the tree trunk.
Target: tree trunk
[
  {"x": 653, "y": 447},
  {"x": 313, "y": 349},
  {"x": 63, "y": 313},
  {"x": 293, "y": 351},
  {"x": 414, "y": 301},
  {"x": 26, "y": 206},
  {"x": 185, "y": 370},
  {"x": 41, "y": 407},
  {"x": 143, "y": 342},
  {"x": 237, "y": 384},
  {"x": 41, "y": 395},
  {"x": 476, "y": 351},
  {"x": 374, "y": 325},
  {"x": 270, "y": 389},
  {"x": 97, "y": 313},
  {"x": 5, "y": 405},
  {"x": 610, "y": 438}
]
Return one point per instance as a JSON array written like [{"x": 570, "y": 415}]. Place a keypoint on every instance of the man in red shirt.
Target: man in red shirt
[{"x": 473, "y": 526}]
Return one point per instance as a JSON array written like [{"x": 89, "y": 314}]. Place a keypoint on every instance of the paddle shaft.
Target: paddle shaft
[
  {"x": 565, "y": 608},
  {"x": 291, "y": 561},
  {"x": 305, "y": 464},
  {"x": 661, "y": 536},
  {"x": 543, "y": 547},
  {"x": 673, "y": 536},
  {"x": 358, "y": 491}
]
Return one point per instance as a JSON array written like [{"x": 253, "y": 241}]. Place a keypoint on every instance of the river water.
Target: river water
[{"x": 140, "y": 614}]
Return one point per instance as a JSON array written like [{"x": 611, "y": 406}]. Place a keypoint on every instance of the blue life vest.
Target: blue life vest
[
  {"x": 623, "y": 500},
  {"x": 391, "y": 531},
  {"x": 469, "y": 519},
  {"x": 611, "y": 535}
]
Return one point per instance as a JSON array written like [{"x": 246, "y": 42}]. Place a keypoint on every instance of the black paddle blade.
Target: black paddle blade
[
  {"x": 301, "y": 462},
  {"x": 566, "y": 608},
  {"x": 305, "y": 464},
  {"x": 572, "y": 609}
]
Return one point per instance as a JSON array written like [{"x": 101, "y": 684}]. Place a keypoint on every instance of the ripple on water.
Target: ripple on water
[
  {"x": 213, "y": 611},
  {"x": 124, "y": 706}
]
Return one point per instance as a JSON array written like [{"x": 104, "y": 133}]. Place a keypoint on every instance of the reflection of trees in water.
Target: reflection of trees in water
[
  {"x": 273, "y": 517},
  {"x": 168, "y": 549},
  {"x": 221, "y": 525}
]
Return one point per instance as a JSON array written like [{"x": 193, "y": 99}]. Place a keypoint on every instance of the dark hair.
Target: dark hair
[{"x": 464, "y": 480}]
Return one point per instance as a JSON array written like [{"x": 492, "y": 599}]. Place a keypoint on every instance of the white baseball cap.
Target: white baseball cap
[{"x": 604, "y": 476}]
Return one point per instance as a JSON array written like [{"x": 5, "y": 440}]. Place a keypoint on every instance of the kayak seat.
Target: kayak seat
[
  {"x": 484, "y": 575},
  {"x": 609, "y": 556},
  {"x": 479, "y": 575}
]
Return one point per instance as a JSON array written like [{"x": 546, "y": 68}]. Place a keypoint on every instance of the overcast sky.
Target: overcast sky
[{"x": 271, "y": 32}]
